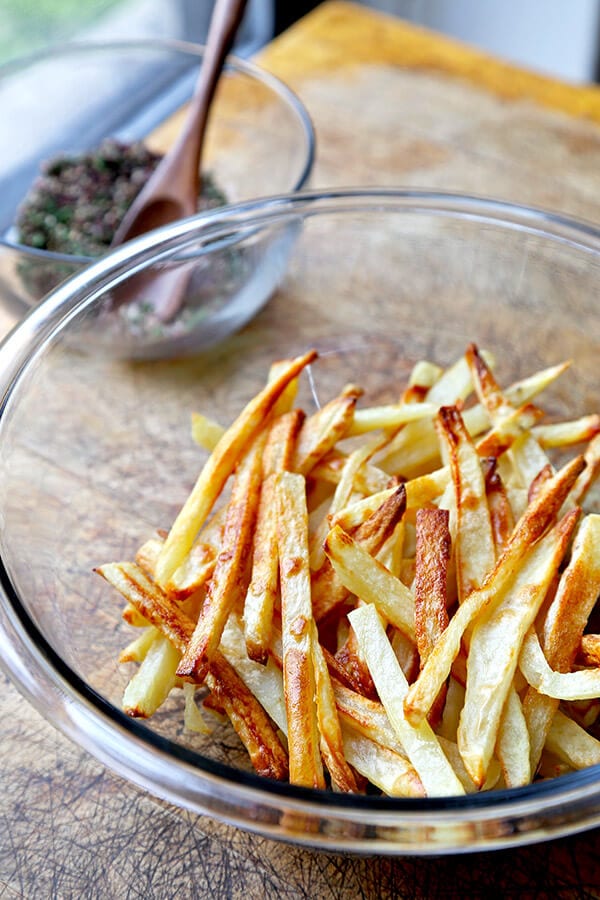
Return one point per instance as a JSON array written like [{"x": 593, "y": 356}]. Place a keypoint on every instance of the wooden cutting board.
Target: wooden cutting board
[{"x": 392, "y": 105}]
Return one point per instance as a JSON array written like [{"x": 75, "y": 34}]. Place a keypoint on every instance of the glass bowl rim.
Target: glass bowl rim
[
  {"x": 233, "y": 63},
  {"x": 19, "y": 350}
]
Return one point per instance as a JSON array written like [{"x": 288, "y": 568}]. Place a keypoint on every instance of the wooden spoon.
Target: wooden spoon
[{"x": 172, "y": 190}]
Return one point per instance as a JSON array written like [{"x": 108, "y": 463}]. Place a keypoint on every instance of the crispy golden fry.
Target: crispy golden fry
[
  {"x": 567, "y": 616},
  {"x": 589, "y": 649},
  {"x": 296, "y": 617},
  {"x": 381, "y": 544},
  {"x": 253, "y": 726},
  {"x": 219, "y": 466},
  {"x": 321, "y": 431},
  {"x": 501, "y": 514},
  {"x": 348, "y": 656},
  {"x": 534, "y": 522},
  {"x": 430, "y": 588},
  {"x": 419, "y": 742},
  {"x": 493, "y": 651},
  {"x": 474, "y": 541},
  {"x": 248, "y": 718},
  {"x": 589, "y": 474},
  {"x": 226, "y": 587},
  {"x": 507, "y": 429},
  {"x": 364, "y": 576},
  {"x": 264, "y": 579},
  {"x": 331, "y": 740}
]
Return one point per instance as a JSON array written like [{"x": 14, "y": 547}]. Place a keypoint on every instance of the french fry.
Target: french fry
[
  {"x": 364, "y": 576},
  {"x": 384, "y": 768},
  {"x": 572, "y": 744},
  {"x": 470, "y": 690},
  {"x": 250, "y": 721},
  {"x": 219, "y": 466},
  {"x": 493, "y": 651},
  {"x": 581, "y": 685},
  {"x": 328, "y": 588},
  {"x": 205, "y": 432},
  {"x": 153, "y": 681},
  {"x": 474, "y": 550},
  {"x": 430, "y": 588},
  {"x": 589, "y": 649},
  {"x": 565, "y": 434},
  {"x": 501, "y": 513},
  {"x": 331, "y": 740},
  {"x": 576, "y": 595},
  {"x": 253, "y": 726},
  {"x": 420, "y": 743},
  {"x": 138, "y": 648},
  {"x": 193, "y": 720},
  {"x": 512, "y": 744},
  {"x": 226, "y": 587},
  {"x": 296, "y": 616},
  {"x": 534, "y": 522},
  {"x": 321, "y": 431}
]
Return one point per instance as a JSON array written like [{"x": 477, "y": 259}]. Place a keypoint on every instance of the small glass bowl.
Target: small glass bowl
[
  {"x": 260, "y": 142},
  {"x": 96, "y": 454}
]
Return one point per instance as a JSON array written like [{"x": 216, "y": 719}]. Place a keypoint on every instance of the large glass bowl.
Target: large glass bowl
[
  {"x": 260, "y": 142},
  {"x": 96, "y": 454}
]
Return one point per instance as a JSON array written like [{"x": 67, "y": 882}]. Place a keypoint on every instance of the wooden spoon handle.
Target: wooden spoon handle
[{"x": 224, "y": 24}]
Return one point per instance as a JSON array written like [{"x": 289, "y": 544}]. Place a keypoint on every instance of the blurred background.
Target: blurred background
[{"x": 555, "y": 37}]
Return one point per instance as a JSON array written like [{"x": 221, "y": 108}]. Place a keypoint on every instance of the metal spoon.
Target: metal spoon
[{"x": 172, "y": 190}]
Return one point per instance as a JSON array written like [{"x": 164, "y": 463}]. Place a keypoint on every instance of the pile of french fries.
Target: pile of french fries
[{"x": 395, "y": 598}]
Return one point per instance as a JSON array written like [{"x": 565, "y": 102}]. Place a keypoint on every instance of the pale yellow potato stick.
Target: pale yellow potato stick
[
  {"x": 571, "y": 743},
  {"x": 306, "y": 767},
  {"x": 219, "y": 467},
  {"x": 392, "y": 416},
  {"x": 564, "y": 434},
  {"x": 512, "y": 744},
  {"x": 494, "y": 644},
  {"x": 583, "y": 684},
  {"x": 205, "y": 432},
  {"x": 368, "y": 579},
  {"x": 419, "y": 742},
  {"x": 534, "y": 522},
  {"x": 153, "y": 681},
  {"x": 389, "y": 771}
]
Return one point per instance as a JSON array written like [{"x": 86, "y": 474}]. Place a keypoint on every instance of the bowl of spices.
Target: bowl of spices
[{"x": 81, "y": 150}]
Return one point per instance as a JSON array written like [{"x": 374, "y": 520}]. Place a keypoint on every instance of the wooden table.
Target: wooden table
[{"x": 432, "y": 114}]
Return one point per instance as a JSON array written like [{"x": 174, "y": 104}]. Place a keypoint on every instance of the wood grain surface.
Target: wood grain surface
[{"x": 392, "y": 105}]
